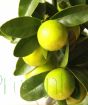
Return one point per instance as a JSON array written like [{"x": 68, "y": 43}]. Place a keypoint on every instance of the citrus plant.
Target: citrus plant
[{"x": 52, "y": 48}]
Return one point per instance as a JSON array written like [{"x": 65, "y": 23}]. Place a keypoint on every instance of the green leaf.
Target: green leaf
[
  {"x": 33, "y": 89},
  {"x": 79, "y": 92},
  {"x": 13, "y": 40},
  {"x": 21, "y": 67},
  {"x": 6, "y": 36},
  {"x": 79, "y": 56},
  {"x": 21, "y": 27},
  {"x": 76, "y": 94},
  {"x": 27, "y": 7},
  {"x": 72, "y": 16},
  {"x": 77, "y": 2},
  {"x": 81, "y": 75},
  {"x": 26, "y": 46},
  {"x": 64, "y": 61}
]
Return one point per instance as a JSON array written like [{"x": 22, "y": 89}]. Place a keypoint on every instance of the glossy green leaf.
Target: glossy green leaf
[
  {"x": 81, "y": 75},
  {"x": 33, "y": 89},
  {"x": 64, "y": 61},
  {"x": 21, "y": 27},
  {"x": 21, "y": 67},
  {"x": 72, "y": 16},
  {"x": 27, "y": 7},
  {"x": 79, "y": 56},
  {"x": 26, "y": 46},
  {"x": 77, "y": 2}
]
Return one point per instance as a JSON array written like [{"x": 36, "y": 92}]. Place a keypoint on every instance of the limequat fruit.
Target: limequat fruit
[
  {"x": 36, "y": 58},
  {"x": 52, "y": 35},
  {"x": 59, "y": 84}
]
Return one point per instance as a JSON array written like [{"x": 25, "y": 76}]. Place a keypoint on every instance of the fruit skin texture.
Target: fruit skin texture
[
  {"x": 59, "y": 84},
  {"x": 52, "y": 35},
  {"x": 36, "y": 58}
]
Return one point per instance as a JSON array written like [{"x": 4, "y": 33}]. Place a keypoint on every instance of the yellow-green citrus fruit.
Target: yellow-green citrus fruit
[
  {"x": 36, "y": 58},
  {"x": 52, "y": 35},
  {"x": 74, "y": 31},
  {"x": 59, "y": 84},
  {"x": 73, "y": 101},
  {"x": 40, "y": 69}
]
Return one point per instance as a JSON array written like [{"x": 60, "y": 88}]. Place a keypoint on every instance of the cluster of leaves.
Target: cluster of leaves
[{"x": 24, "y": 29}]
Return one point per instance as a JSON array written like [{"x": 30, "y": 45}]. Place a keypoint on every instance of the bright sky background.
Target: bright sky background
[{"x": 9, "y": 84}]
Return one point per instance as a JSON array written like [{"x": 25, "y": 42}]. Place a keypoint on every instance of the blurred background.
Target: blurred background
[{"x": 9, "y": 84}]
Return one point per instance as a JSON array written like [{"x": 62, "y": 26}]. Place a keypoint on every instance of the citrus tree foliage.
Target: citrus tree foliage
[{"x": 72, "y": 57}]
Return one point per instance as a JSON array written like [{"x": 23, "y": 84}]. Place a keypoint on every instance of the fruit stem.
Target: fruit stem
[{"x": 62, "y": 102}]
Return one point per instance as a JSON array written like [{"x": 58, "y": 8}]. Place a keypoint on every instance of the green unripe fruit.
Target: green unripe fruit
[
  {"x": 52, "y": 35},
  {"x": 59, "y": 84}
]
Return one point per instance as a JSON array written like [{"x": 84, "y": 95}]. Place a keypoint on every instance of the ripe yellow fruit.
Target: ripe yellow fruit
[
  {"x": 40, "y": 69},
  {"x": 36, "y": 58},
  {"x": 73, "y": 101},
  {"x": 59, "y": 84},
  {"x": 52, "y": 35}
]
